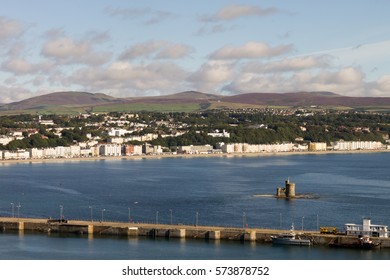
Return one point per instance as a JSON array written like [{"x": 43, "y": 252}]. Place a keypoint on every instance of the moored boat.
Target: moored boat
[
  {"x": 363, "y": 242},
  {"x": 290, "y": 238}
]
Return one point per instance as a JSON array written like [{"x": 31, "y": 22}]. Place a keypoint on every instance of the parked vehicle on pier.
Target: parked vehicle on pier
[
  {"x": 49, "y": 221},
  {"x": 328, "y": 230}
]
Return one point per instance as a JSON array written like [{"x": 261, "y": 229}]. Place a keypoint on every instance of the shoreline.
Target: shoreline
[{"x": 227, "y": 155}]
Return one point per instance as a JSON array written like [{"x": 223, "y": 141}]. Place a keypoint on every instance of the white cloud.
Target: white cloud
[
  {"x": 14, "y": 93},
  {"x": 9, "y": 28},
  {"x": 232, "y": 12},
  {"x": 383, "y": 83},
  {"x": 250, "y": 50},
  {"x": 149, "y": 16},
  {"x": 212, "y": 75},
  {"x": 289, "y": 64},
  {"x": 156, "y": 50},
  {"x": 65, "y": 50},
  {"x": 347, "y": 81},
  {"x": 121, "y": 77},
  {"x": 381, "y": 87},
  {"x": 19, "y": 66}
]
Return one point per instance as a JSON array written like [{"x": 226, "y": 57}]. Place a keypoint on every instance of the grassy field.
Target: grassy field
[
  {"x": 186, "y": 107},
  {"x": 74, "y": 110},
  {"x": 47, "y": 110},
  {"x": 171, "y": 107}
]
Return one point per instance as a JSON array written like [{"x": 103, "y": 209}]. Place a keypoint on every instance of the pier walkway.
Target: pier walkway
[{"x": 97, "y": 228}]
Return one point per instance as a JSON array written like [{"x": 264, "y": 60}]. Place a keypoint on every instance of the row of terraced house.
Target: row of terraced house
[{"x": 112, "y": 150}]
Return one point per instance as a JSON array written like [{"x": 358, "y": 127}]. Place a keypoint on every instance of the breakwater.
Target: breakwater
[{"x": 133, "y": 230}]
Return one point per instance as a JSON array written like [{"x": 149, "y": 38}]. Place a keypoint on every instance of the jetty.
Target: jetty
[{"x": 133, "y": 230}]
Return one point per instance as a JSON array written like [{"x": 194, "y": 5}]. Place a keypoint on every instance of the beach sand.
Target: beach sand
[{"x": 13, "y": 161}]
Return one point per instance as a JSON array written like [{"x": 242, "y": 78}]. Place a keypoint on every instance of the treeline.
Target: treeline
[{"x": 46, "y": 138}]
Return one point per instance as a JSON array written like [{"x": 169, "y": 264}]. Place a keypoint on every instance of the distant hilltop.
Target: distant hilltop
[{"x": 81, "y": 102}]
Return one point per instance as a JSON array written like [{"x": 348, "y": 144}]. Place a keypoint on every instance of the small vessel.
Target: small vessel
[
  {"x": 366, "y": 243},
  {"x": 290, "y": 238},
  {"x": 363, "y": 242}
]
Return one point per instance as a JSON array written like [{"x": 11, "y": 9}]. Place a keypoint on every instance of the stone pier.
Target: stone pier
[{"x": 212, "y": 233}]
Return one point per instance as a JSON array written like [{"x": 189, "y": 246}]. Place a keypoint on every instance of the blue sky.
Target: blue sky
[{"x": 140, "y": 48}]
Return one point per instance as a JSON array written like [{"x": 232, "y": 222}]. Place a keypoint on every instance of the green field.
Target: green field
[
  {"x": 186, "y": 107},
  {"x": 47, "y": 110},
  {"x": 171, "y": 107}
]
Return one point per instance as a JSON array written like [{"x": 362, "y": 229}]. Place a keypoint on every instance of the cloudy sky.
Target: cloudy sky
[{"x": 153, "y": 47}]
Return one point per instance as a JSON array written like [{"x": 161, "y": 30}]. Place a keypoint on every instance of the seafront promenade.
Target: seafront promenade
[
  {"x": 169, "y": 155},
  {"x": 92, "y": 229}
]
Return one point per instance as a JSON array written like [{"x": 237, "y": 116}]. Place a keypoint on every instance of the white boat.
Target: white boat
[{"x": 290, "y": 238}]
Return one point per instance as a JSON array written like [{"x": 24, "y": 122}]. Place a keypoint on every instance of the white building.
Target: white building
[
  {"x": 151, "y": 149},
  {"x": 62, "y": 152},
  {"x": 143, "y": 138},
  {"x": 110, "y": 150},
  {"x": 115, "y": 140},
  {"x": 357, "y": 145},
  {"x": 17, "y": 134},
  {"x": 219, "y": 134},
  {"x": 201, "y": 149},
  {"x": 4, "y": 140},
  {"x": 118, "y": 132},
  {"x": 36, "y": 153},
  {"x": 366, "y": 229},
  {"x": 75, "y": 151},
  {"x": 86, "y": 152},
  {"x": 256, "y": 148},
  {"x": 49, "y": 153},
  {"x": 19, "y": 154}
]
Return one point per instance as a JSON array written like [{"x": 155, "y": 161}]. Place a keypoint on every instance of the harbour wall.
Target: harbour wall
[{"x": 132, "y": 230}]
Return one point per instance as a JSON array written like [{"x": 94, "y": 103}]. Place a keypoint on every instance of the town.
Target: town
[{"x": 212, "y": 132}]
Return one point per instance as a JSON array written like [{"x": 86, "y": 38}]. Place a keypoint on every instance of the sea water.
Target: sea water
[{"x": 207, "y": 191}]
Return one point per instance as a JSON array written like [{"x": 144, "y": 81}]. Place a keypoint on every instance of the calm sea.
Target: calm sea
[{"x": 209, "y": 191}]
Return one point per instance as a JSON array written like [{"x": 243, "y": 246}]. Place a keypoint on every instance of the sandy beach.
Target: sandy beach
[{"x": 190, "y": 156}]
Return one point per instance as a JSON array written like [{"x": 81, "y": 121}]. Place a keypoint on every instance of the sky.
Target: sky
[{"x": 127, "y": 48}]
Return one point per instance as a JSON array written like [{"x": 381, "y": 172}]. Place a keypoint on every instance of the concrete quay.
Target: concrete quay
[{"x": 133, "y": 230}]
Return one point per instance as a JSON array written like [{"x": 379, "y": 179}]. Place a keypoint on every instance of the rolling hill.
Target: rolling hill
[
  {"x": 305, "y": 99},
  {"x": 80, "y": 102},
  {"x": 69, "y": 98}
]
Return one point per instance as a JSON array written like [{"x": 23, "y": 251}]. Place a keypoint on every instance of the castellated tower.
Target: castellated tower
[{"x": 290, "y": 189}]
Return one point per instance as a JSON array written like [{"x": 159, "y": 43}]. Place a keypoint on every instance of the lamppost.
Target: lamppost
[
  {"x": 243, "y": 219},
  {"x": 196, "y": 218},
  {"x": 280, "y": 220},
  {"x": 13, "y": 210},
  {"x": 90, "y": 207},
  {"x": 61, "y": 212},
  {"x": 156, "y": 217},
  {"x": 302, "y": 222},
  {"x": 18, "y": 206},
  {"x": 129, "y": 214},
  {"x": 170, "y": 210},
  {"x": 103, "y": 210}
]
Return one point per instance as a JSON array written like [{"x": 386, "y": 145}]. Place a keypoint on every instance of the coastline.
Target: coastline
[{"x": 227, "y": 155}]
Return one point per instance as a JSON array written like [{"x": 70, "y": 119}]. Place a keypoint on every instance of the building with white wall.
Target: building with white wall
[
  {"x": 255, "y": 148},
  {"x": 366, "y": 228},
  {"x": 19, "y": 155},
  {"x": 4, "y": 140},
  {"x": 198, "y": 149},
  {"x": 219, "y": 134},
  {"x": 110, "y": 150},
  {"x": 357, "y": 145}
]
